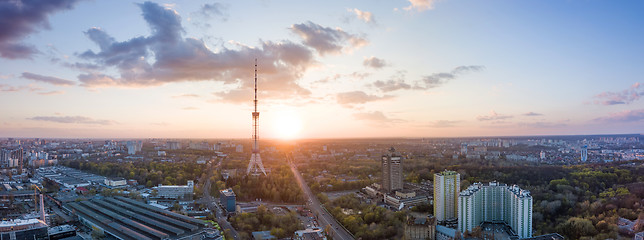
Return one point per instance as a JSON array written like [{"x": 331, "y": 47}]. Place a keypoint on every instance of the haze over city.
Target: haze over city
[{"x": 327, "y": 69}]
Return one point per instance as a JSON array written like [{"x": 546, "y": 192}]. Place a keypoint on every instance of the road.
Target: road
[
  {"x": 324, "y": 218},
  {"x": 213, "y": 207}
]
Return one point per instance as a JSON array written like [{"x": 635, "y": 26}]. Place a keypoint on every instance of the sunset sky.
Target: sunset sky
[{"x": 327, "y": 69}]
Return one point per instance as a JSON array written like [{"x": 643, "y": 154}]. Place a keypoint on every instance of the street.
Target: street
[
  {"x": 213, "y": 207},
  {"x": 324, "y": 218}
]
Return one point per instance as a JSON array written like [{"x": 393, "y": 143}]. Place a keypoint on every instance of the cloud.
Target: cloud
[
  {"x": 52, "y": 93},
  {"x": 532, "y": 114},
  {"x": 439, "y": 79},
  {"x": 623, "y": 116},
  {"x": 187, "y": 95},
  {"x": 398, "y": 81},
  {"x": 20, "y": 18},
  {"x": 395, "y": 82},
  {"x": 420, "y": 5},
  {"x": 214, "y": 10},
  {"x": 375, "y": 116},
  {"x": 365, "y": 16},
  {"x": 374, "y": 62},
  {"x": 352, "y": 76},
  {"x": 9, "y": 88},
  {"x": 632, "y": 94},
  {"x": 165, "y": 56},
  {"x": 443, "y": 124},
  {"x": 327, "y": 40},
  {"x": 48, "y": 79},
  {"x": 358, "y": 97},
  {"x": 72, "y": 119},
  {"x": 493, "y": 117}
]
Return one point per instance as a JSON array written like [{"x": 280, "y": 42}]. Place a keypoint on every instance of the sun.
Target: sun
[{"x": 287, "y": 125}]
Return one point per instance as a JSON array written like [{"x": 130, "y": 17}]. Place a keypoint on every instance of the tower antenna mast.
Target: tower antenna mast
[{"x": 255, "y": 164}]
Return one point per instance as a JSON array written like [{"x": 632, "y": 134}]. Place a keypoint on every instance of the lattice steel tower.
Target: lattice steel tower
[{"x": 255, "y": 164}]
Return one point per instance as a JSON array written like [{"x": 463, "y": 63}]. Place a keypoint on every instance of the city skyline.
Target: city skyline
[{"x": 417, "y": 68}]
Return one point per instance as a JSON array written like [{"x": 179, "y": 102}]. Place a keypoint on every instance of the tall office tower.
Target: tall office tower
[
  {"x": 495, "y": 203},
  {"x": 255, "y": 164},
  {"x": 392, "y": 171},
  {"x": 447, "y": 184},
  {"x": 584, "y": 153},
  {"x": 464, "y": 148}
]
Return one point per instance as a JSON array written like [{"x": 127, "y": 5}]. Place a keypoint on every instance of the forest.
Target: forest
[{"x": 281, "y": 226}]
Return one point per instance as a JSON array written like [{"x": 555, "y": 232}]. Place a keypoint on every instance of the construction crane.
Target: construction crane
[{"x": 42, "y": 202}]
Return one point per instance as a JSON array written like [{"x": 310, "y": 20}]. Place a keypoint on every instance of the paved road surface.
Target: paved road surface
[
  {"x": 210, "y": 202},
  {"x": 324, "y": 218}
]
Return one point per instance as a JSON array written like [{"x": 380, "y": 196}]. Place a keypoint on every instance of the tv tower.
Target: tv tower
[{"x": 255, "y": 164}]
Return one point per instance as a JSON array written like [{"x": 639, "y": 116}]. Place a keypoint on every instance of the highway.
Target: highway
[{"x": 324, "y": 218}]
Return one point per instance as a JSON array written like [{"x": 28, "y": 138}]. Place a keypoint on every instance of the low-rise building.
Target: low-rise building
[
  {"x": 115, "y": 182},
  {"x": 175, "y": 191},
  {"x": 420, "y": 228}
]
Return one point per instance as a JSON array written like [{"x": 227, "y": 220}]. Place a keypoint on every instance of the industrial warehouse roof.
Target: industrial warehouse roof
[{"x": 129, "y": 219}]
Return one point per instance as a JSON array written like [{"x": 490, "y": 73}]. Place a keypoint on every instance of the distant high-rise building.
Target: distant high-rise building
[
  {"x": 173, "y": 145},
  {"x": 239, "y": 148},
  {"x": 495, "y": 203},
  {"x": 324, "y": 148},
  {"x": 584, "y": 153},
  {"x": 542, "y": 155},
  {"x": 447, "y": 185},
  {"x": 392, "y": 171},
  {"x": 464, "y": 148},
  {"x": 133, "y": 147}
]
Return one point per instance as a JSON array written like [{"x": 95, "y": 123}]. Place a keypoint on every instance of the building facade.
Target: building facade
[
  {"x": 227, "y": 198},
  {"x": 175, "y": 191},
  {"x": 584, "y": 153},
  {"x": 392, "y": 171},
  {"x": 420, "y": 228},
  {"x": 447, "y": 185},
  {"x": 495, "y": 203}
]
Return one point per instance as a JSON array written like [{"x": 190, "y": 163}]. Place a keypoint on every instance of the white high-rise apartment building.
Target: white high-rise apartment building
[
  {"x": 584, "y": 153},
  {"x": 447, "y": 184},
  {"x": 495, "y": 203}
]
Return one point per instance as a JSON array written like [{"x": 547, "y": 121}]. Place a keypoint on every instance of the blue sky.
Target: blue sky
[{"x": 419, "y": 68}]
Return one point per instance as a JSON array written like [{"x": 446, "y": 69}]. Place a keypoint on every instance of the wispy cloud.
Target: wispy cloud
[
  {"x": 364, "y": 16},
  {"x": 47, "y": 79},
  {"x": 328, "y": 40},
  {"x": 395, "y": 82},
  {"x": 623, "y": 116},
  {"x": 493, "y": 116},
  {"x": 21, "y": 18},
  {"x": 72, "y": 120},
  {"x": 52, "y": 93},
  {"x": 532, "y": 114},
  {"x": 358, "y": 97},
  {"x": 443, "y": 124},
  {"x": 187, "y": 95},
  {"x": 374, "y": 62},
  {"x": 215, "y": 10},
  {"x": 439, "y": 79},
  {"x": 375, "y": 117},
  {"x": 632, "y": 94},
  {"x": 420, "y": 5}
]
